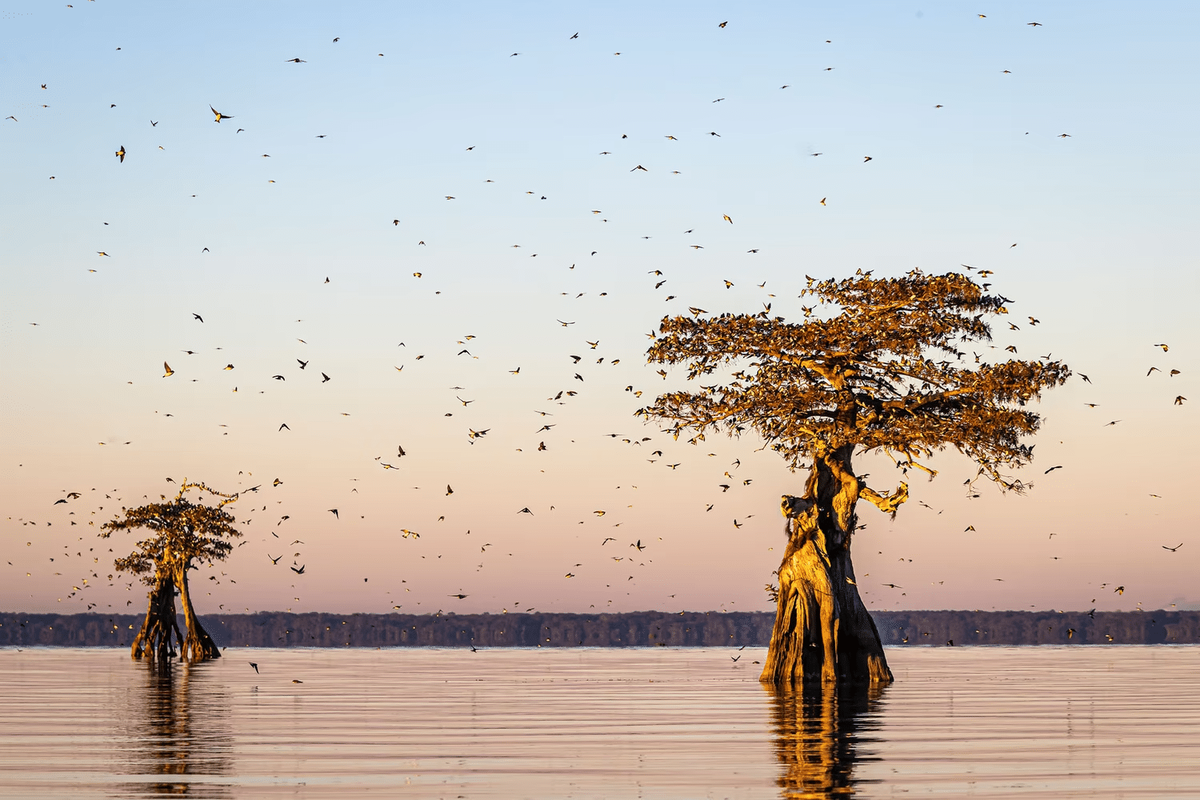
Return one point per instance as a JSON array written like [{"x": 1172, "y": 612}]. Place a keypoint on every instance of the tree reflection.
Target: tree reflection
[
  {"x": 176, "y": 743},
  {"x": 817, "y": 729}
]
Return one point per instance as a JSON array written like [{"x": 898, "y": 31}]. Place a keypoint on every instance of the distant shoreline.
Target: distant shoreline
[{"x": 633, "y": 629}]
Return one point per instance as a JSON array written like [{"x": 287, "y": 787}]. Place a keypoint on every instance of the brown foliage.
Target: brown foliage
[
  {"x": 181, "y": 532},
  {"x": 878, "y": 364}
]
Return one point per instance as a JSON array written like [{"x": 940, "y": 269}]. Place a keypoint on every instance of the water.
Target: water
[{"x": 1096, "y": 722}]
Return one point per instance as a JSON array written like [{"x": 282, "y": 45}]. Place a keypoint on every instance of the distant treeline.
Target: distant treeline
[{"x": 638, "y": 629}]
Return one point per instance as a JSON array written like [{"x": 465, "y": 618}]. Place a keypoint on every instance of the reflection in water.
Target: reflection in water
[
  {"x": 817, "y": 728},
  {"x": 175, "y": 743}
]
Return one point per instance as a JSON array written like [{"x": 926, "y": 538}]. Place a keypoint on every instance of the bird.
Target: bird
[
  {"x": 274, "y": 559},
  {"x": 121, "y": 154},
  {"x": 325, "y": 378},
  {"x": 823, "y": 199},
  {"x": 525, "y": 511},
  {"x": 169, "y": 371},
  {"x": 1034, "y": 24},
  {"x": 1164, "y": 347},
  {"x": 295, "y": 61},
  {"x": 254, "y": 665},
  {"x": 574, "y": 36},
  {"x": 639, "y": 166},
  {"x": 1179, "y": 399},
  {"x": 283, "y": 426},
  {"x": 727, "y": 219},
  {"x": 1047, "y": 472},
  {"x": 197, "y": 316},
  {"x": 459, "y": 596},
  {"x": 219, "y": 115},
  {"x": 723, "y": 24},
  {"x": 1173, "y": 549},
  {"x": 299, "y": 571},
  {"x": 334, "y": 511},
  {"x": 866, "y": 159}
]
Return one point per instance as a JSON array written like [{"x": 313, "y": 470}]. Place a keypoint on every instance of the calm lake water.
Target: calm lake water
[{"x": 1095, "y": 722}]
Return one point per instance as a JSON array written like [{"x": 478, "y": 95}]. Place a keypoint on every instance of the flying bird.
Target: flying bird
[
  {"x": 334, "y": 511},
  {"x": 295, "y": 61},
  {"x": 121, "y": 154},
  {"x": 169, "y": 371},
  {"x": 1173, "y": 549},
  {"x": 219, "y": 115}
]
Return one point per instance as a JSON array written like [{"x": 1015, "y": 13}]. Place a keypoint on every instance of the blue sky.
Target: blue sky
[{"x": 1103, "y": 221}]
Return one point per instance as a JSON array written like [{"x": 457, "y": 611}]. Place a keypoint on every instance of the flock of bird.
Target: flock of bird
[{"x": 585, "y": 358}]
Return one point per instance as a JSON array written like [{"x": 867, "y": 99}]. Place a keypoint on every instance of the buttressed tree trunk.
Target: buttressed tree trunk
[
  {"x": 198, "y": 646},
  {"x": 154, "y": 639},
  {"x": 822, "y": 629}
]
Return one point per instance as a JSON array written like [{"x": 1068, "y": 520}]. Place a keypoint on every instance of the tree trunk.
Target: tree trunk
[
  {"x": 154, "y": 639},
  {"x": 198, "y": 646},
  {"x": 822, "y": 630}
]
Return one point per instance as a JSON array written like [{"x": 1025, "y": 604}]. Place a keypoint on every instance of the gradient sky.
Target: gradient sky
[{"x": 419, "y": 102}]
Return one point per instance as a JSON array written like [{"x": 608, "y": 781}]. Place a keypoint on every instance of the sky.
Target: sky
[{"x": 439, "y": 206}]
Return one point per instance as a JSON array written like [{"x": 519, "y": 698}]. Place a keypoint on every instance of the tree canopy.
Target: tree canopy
[
  {"x": 878, "y": 364},
  {"x": 181, "y": 531}
]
